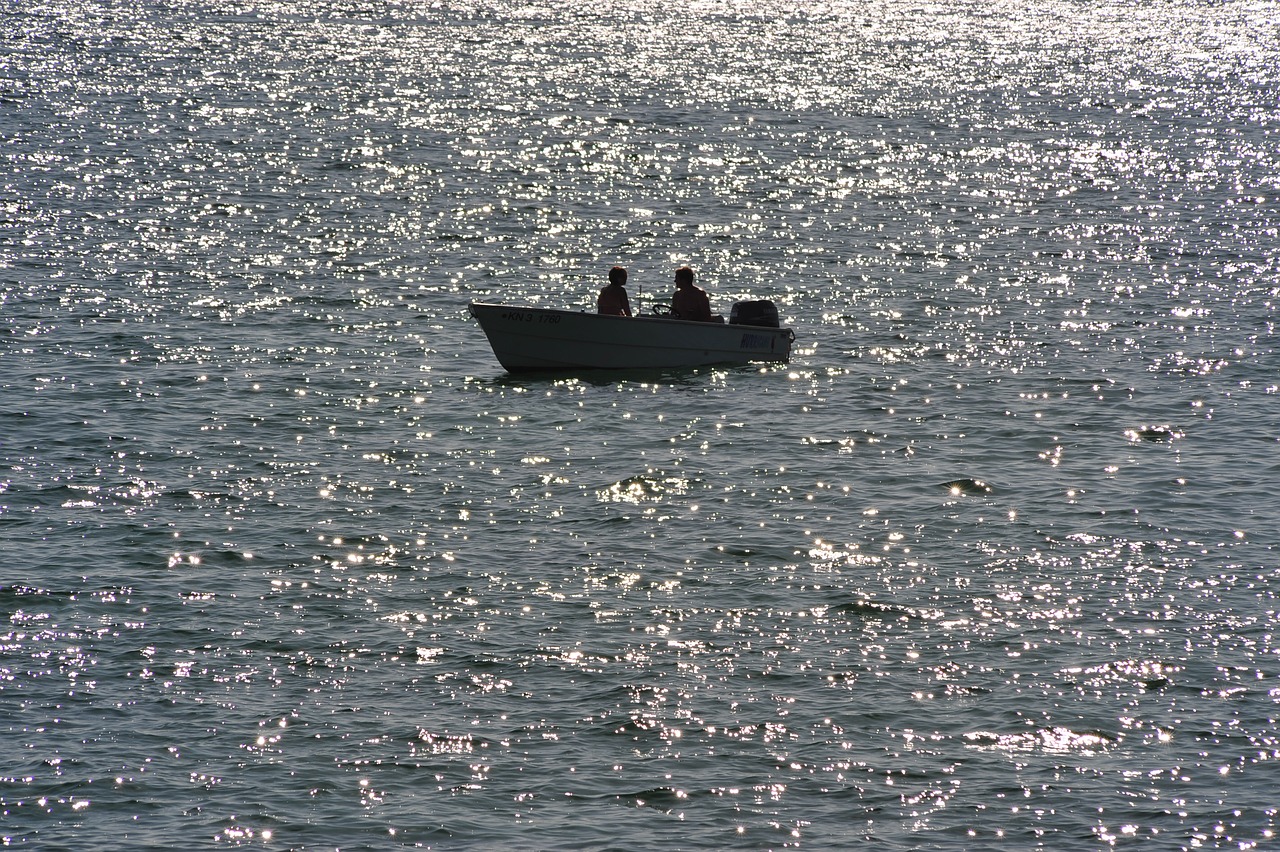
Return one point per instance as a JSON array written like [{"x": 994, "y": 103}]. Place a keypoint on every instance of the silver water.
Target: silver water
[{"x": 288, "y": 562}]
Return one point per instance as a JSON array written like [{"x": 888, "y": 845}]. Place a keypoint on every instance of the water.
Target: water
[{"x": 290, "y": 563}]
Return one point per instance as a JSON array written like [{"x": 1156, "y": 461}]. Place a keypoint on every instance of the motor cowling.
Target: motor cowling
[{"x": 759, "y": 313}]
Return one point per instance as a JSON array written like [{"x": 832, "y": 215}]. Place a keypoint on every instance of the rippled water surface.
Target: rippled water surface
[{"x": 289, "y": 562}]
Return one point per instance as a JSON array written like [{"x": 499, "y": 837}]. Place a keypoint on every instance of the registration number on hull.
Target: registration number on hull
[
  {"x": 529, "y": 316},
  {"x": 756, "y": 341}
]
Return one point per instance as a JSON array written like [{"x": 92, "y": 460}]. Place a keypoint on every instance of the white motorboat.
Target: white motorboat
[{"x": 527, "y": 338}]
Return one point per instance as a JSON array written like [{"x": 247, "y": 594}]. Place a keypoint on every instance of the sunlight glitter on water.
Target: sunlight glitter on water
[{"x": 988, "y": 562}]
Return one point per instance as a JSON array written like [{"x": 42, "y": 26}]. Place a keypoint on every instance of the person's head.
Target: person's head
[
  {"x": 684, "y": 277},
  {"x": 618, "y": 275}
]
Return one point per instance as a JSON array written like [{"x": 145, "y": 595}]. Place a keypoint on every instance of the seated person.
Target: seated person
[
  {"x": 613, "y": 298},
  {"x": 690, "y": 302}
]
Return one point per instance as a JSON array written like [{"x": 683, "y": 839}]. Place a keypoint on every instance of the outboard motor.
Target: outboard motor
[{"x": 762, "y": 313}]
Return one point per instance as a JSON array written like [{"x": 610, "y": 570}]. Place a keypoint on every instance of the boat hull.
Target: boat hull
[{"x": 525, "y": 339}]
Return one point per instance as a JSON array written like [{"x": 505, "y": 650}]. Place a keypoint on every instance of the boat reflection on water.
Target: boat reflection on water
[{"x": 527, "y": 339}]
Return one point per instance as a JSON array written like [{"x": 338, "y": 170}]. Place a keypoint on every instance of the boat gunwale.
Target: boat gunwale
[{"x": 471, "y": 308}]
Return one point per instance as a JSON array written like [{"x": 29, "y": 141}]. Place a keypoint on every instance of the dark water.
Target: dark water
[{"x": 289, "y": 562}]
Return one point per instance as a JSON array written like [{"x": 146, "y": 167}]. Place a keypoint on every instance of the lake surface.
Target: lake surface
[{"x": 289, "y": 562}]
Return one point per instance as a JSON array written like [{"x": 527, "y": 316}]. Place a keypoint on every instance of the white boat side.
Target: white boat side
[{"x": 527, "y": 338}]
